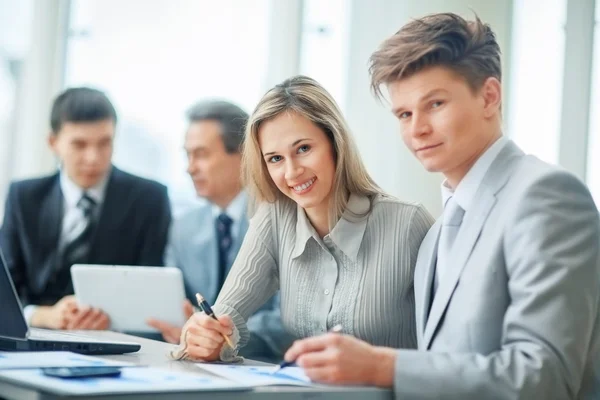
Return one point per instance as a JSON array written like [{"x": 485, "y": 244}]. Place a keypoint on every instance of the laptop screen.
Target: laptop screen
[{"x": 13, "y": 323}]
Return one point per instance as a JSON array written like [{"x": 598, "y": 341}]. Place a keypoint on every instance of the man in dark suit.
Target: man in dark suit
[{"x": 88, "y": 212}]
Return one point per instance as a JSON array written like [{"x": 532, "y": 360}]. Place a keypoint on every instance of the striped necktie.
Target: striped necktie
[
  {"x": 77, "y": 245},
  {"x": 223, "y": 225}
]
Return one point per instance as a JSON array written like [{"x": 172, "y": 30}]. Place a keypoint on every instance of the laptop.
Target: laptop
[{"x": 15, "y": 335}]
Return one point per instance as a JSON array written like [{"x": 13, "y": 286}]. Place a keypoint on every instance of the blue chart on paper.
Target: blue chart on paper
[
  {"x": 131, "y": 380},
  {"x": 259, "y": 376},
  {"x": 277, "y": 375}
]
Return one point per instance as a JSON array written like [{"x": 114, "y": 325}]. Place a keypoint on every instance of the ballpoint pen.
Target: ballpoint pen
[
  {"x": 283, "y": 364},
  {"x": 203, "y": 304}
]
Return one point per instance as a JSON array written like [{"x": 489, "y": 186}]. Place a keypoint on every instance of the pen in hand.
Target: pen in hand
[
  {"x": 203, "y": 304},
  {"x": 283, "y": 364}
]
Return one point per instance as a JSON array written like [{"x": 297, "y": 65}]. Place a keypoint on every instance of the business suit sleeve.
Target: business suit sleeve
[
  {"x": 155, "y": 230},
  {"x": 254, "y": 276},
  {"x": 9, "y": 240},
  {"x": 171, "y": 258},
  {"x": 552, "y": 259}
]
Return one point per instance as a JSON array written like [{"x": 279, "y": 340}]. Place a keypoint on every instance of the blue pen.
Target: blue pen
[
  {"x": 203, "y": 304},
  {"x": 283, "y": 364}
]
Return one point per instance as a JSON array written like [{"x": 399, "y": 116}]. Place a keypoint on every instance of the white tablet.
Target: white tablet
[{"x": 130, "y": 295}]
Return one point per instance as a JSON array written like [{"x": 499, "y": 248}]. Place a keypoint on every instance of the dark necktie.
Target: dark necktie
[
  {"x": 223, "y": 225},
  {"x": 77, "y": 248}
]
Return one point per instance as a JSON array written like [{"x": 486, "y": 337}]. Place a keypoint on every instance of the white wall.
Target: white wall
[
  {"x": 392, "y": 166},
  {"x": 15, "y": 24},
  {"x": 284, "y": 29},
  {"x": 41, "y": 80},
  {"x": 577, "y": 87}
]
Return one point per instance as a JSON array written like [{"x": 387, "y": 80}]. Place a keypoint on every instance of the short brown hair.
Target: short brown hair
[{"x": 468, "y": 48}]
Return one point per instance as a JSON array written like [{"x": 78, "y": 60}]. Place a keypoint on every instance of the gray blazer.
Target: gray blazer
[
  {"x": 517, "y": 315},
  {"x": 193, "y": 249}
]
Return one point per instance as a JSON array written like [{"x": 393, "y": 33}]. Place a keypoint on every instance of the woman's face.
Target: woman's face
[{"x": 299, "y": 158}]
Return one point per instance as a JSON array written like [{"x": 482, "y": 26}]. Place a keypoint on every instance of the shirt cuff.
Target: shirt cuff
[
  {"x": 240, "y": 329},
  {"x": 28, "y": 312}
]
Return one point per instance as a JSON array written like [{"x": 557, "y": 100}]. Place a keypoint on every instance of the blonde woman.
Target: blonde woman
[{"x": 339, "y": 250}]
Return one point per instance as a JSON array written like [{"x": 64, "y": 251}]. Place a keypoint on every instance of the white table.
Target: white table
[{"x": 154, "y": 353}]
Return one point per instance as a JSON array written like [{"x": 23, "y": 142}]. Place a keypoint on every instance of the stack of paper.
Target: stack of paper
[
  {"x": 132, "y": 380},
  {"x": 26, "y": 369},
  {"x": 48, "y": 359}
]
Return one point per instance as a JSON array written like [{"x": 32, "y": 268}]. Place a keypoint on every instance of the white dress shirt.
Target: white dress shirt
[
  {"x": 72, "y": 194},
  {"x": 468, "y": 186}
]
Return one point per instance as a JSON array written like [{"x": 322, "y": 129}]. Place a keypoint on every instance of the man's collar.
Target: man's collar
[
  {"x": 236, "y": 210},
  {"x": 73, "y": 192},
  {"x": 468, "y": 186}
]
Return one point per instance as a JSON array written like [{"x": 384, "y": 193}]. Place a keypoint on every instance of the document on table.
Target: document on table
[
  {"x": 131, "y": 380},
  {"x": 259, "y": 376},
  {"x": 46, "y": 359}
]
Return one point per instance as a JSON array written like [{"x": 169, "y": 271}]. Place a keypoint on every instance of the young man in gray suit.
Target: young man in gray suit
[
  {"x": 507, "y": 282},
  {"x": 205, "y": 240}
]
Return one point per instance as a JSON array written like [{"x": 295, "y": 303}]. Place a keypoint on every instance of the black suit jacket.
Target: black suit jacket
[{"x": 132, "y": 230}]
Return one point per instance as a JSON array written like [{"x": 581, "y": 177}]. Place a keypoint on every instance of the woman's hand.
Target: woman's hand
[{"x": 204, "y": 336}]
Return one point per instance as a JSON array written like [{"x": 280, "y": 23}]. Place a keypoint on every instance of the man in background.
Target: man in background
[
  {"x": 87, "y": 212},
  {"x": 205, "y": 240}
]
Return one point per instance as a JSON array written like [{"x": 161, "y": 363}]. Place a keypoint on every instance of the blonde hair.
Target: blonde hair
[{"x": 305, "y": 97}]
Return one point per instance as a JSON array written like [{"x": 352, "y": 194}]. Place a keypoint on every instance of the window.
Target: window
[
  {"x": 16, "y": 23},
  {"x": 323, "y": 54},
  {"x": 155, "y": 59},
  {"x": 593, "y": 171},
  {"x": 537, "y": 74}
]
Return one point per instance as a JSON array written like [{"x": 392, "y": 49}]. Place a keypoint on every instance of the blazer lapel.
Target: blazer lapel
[
  {"x": 424, "y": 272},
  {"x": 485, "y": 198},
  {"x": 114, "y": 210},
  {"x": 464, "y": 243},
  {"x": 50, "y": 224}
]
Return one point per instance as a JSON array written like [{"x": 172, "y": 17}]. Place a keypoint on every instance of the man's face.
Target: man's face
[
  {"x": 443, "y": 122},
  {"x": 85, "y": 150},
  {"x": 215, "y": 173}
]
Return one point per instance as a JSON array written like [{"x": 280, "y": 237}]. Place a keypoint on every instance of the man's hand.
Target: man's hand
[
  {"x": 340, "y": 359},
  {"x": 67, "y": 314},
  {"x": 56, "y": 316},
  {"x": 89, "y": 318},
  {"x": 172, "y": 333}
]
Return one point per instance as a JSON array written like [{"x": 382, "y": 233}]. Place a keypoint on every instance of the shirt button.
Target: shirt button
[{"x": 326, "y": 291}]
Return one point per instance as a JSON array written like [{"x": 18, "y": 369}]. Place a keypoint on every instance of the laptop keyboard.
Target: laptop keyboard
[{"x": 46, "y": 334}]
